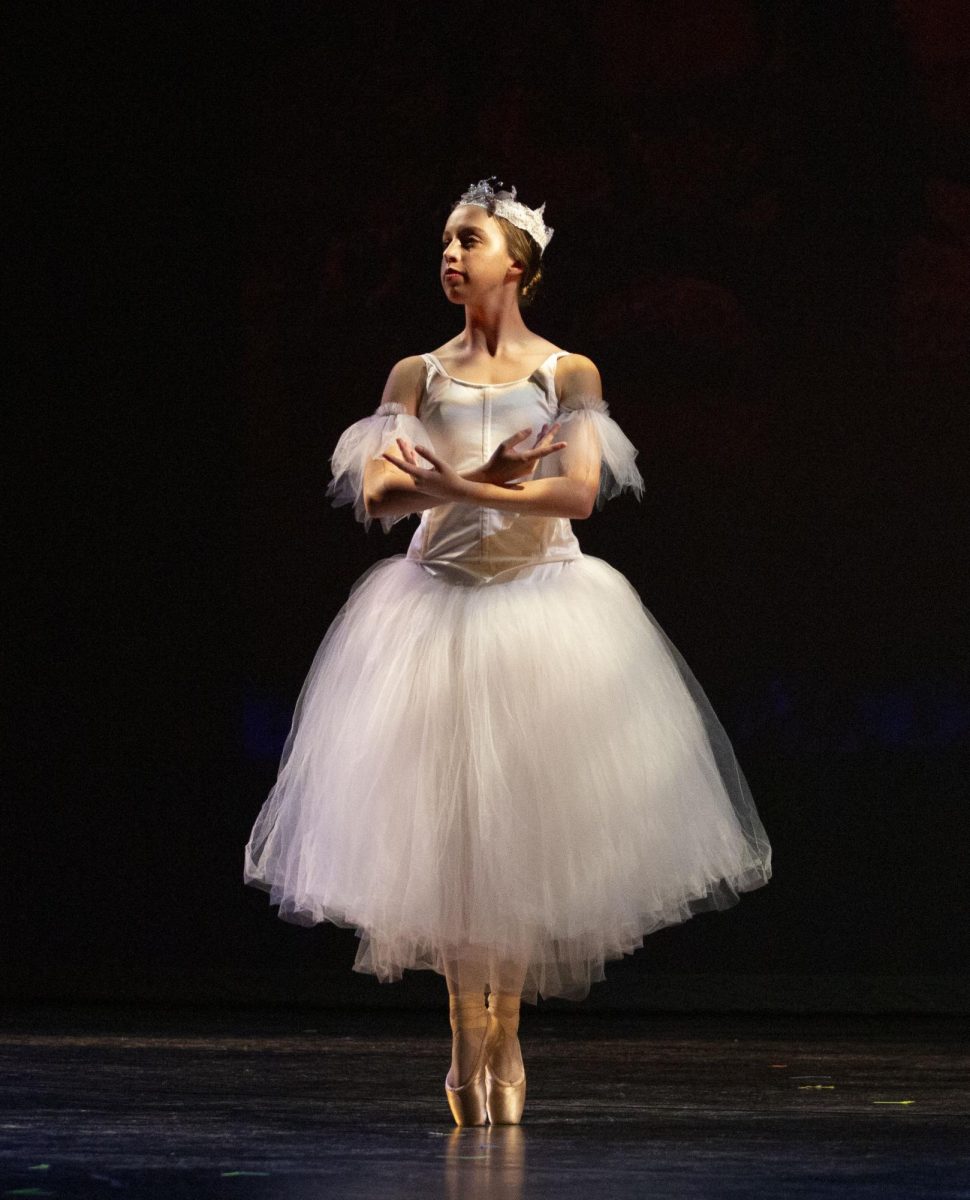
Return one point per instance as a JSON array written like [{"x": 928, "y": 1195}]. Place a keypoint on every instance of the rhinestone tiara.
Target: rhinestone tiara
[{"x": 504, "y": 204}]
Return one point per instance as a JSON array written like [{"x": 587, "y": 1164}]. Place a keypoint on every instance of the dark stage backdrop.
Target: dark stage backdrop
[{"x": 762, "y": 217}]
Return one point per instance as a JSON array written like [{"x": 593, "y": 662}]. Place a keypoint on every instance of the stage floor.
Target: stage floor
[{"x": 317, "y": 1104}]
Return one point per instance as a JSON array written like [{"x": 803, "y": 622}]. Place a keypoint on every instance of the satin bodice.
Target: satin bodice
[{"x": 468, "y": 543}]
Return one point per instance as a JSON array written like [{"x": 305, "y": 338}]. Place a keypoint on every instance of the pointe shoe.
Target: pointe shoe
[
  {"x": 467, "y": 1100},
  {"x": 504, "y": 1099}
]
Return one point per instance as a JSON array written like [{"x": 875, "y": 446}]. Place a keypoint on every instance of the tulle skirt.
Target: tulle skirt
[{"x": 524, "y": 772}]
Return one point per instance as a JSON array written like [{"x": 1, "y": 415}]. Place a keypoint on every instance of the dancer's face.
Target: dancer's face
[{"x": 474, "y": 245}]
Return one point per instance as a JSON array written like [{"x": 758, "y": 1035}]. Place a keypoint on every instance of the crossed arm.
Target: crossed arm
[
  {"x": 396, "y": 485},
  {"x": 406, "y": 487}
]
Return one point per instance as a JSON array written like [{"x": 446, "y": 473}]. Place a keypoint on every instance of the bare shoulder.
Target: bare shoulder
[
  {"x": 577, "y": 375},
  {"x": 405, "y": 383}
]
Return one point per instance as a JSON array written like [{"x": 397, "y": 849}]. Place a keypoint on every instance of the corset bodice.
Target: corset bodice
[{"x": 466, "y": 422}]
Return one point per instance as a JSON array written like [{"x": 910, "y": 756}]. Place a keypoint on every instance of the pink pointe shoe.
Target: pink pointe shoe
[
  {"x": 504, "y": 1099},
  {"x": 467, "y": 1100}
]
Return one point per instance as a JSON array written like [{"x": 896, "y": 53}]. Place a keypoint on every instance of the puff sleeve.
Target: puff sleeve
[
  {"x": 366, "y": 439},
  {"x": 591, "y": 433}
]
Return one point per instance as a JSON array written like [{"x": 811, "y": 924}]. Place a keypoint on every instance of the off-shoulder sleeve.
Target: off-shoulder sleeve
[
  {"x": 366, "y": 439},
  {"x": 590, "y": 433}
]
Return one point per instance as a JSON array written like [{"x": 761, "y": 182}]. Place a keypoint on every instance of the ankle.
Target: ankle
[
  {"x": 466, "y": 1010},
  {"x": 506, "y": 1006}
]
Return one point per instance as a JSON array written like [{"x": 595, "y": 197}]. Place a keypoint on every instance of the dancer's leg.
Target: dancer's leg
[
  {"x": 505, "y": 996},
  {"x": 466, "y": 974},
  {"x": 508, "y": 976}
]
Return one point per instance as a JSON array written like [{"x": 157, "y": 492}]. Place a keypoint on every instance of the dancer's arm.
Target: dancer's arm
[
  {"x": 571, "y": 494},
  {"x": 555, "y": 496},
  {"x": 390, "y": 490}
]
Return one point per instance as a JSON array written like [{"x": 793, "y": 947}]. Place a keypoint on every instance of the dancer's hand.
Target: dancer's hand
[
  {"x": 509, "y": 463},
  {"x": 439, "y": 479}
]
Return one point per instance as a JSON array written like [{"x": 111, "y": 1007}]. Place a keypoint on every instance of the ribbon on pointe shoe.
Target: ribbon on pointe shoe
[
  {"x": 504, "y": 1099},
  {"x": 466, "y": 1010},
  {"x": 467, "y": 1100}
]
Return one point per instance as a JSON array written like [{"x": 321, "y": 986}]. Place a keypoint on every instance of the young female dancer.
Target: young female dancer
[{"x": 499, "y": 766}]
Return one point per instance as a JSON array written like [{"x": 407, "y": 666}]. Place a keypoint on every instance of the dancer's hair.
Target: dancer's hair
[{"x": 524, "y": 248}]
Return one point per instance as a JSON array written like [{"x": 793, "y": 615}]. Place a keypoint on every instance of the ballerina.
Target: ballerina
[{"x": 499, "y": 767}]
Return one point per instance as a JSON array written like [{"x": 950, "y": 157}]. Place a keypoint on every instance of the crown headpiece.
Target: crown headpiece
[{"x": 504, "y": 204}]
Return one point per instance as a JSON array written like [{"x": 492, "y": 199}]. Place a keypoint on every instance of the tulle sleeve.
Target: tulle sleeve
[
  {"x": 591, "y": 433},
  {"x": 366, "y": 439}
]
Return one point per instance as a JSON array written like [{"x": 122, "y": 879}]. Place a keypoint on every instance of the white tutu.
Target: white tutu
[{"x": 526, "y": 771}]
